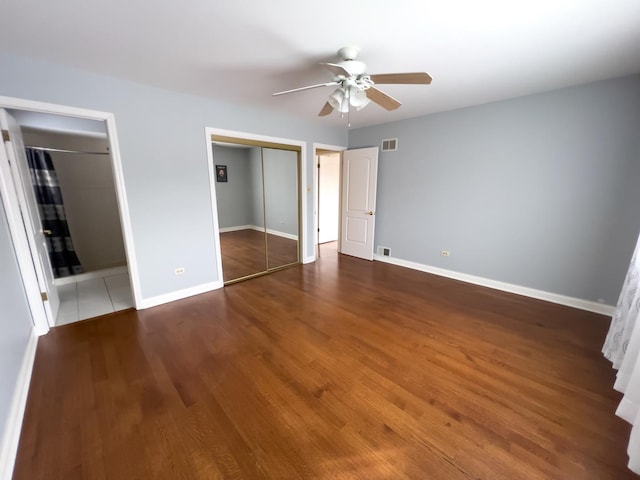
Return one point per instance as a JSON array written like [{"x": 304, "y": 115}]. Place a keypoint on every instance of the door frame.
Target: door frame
[
  {"x": 28, "y": 215},
  {"x": 41, "y": 325},
  {"x": 209, "y": 131},
  {"x": 316, "y": 188}
]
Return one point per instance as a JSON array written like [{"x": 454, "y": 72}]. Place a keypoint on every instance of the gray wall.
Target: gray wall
[
  {"x": 281, "y": 190},
  {"x": 540, "y": 191},
  {"x": 234, "y": 197},
  {"x": 163, "y": 148},
  {"x": 15, "y": 321},
  {"x": 240, "y": 200},
  {"x": 257, "y": 185}
]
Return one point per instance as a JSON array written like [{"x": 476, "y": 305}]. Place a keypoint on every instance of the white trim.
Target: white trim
[
  {"x": 270, "y": 231},
  {"x": 237, "y": 228},
  {"x": 43, "y": 107},
  {"x": 316, "y": 147},
  {"x": 81, "y": 277},
  {"x": 290, "y": 236},
  {"x": 125, "y": 217},
  {"x": 208, "y": 131},
  {"x": 505, "y": 287},
  {"x": 302, "y": 186},
  {"x": 20, "y": 242},
  {"x": 180, "y": 294},
  {"x": 13, "y": 428},
  {"x": 39, "y": 331},
  {"x": 121, "y": 194}
]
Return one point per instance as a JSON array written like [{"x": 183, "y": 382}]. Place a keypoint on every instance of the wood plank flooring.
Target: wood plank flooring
[
  {"x": 342, "y": 369},
  {"x": 244, "y": 252}
]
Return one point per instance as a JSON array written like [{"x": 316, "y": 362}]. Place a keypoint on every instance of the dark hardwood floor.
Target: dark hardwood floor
[
  {"x": 244, "y": 252},
  {"x": 342, "y": 369}
]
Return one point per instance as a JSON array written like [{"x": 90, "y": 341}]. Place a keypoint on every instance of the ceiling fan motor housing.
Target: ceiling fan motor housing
[
  {"x": 354, "y": 67},
  {"x": 349, "y": 53}
]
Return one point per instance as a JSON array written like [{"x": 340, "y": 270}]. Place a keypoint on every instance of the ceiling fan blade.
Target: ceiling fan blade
[
  {"x": 337, "y": 69},
  {"x": 328, "y": 84},
  {"x": 385, "y": 101},
  {"x": 416, "y": 78},
  {"x": 326, "y": 110}
]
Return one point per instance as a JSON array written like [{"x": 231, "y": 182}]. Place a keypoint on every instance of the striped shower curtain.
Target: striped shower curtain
[{"x": 64, "y": 260}]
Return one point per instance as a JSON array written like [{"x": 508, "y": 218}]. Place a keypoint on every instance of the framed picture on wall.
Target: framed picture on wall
[{"x": 221, "y": 173}]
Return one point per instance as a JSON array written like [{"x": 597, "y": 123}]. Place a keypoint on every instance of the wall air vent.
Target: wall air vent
[{"x": 390, "y": 145}]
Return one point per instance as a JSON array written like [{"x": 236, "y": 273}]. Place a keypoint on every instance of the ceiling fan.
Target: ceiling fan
[{"x": 356, "y": 88}]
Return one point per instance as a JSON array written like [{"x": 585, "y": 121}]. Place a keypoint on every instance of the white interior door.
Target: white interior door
[
  {"x": 30, "y": 215},
  {"x": 328, "y": 197},
  {"x": 359, "y": 181}
]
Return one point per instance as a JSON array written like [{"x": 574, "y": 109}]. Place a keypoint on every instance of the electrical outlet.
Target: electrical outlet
[
  {"x": 444, "y": 253},
  {"x": 179, "y": 271}
]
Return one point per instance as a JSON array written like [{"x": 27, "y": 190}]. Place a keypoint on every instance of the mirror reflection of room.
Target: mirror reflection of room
[
  {"x": 240, "y": 210},
  {"x": 257, "y": 200},
  {"x": 281, "y": 206}
]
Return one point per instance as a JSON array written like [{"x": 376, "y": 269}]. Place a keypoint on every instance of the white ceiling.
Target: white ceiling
[{"x": 244, "y": 50}]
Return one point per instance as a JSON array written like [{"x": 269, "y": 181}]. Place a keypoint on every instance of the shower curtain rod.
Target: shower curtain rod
[{"x": 62, "y": 150}]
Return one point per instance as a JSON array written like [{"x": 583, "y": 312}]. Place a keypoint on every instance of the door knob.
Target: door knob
[
  {"x": 370, "y": 213},
  {"x": 47, "y": 232}
]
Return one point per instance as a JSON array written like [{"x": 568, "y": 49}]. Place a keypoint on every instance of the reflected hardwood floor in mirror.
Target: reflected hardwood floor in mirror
[
  {"x": 340, "y": 369},
  {"x": 243, "y": 252}
]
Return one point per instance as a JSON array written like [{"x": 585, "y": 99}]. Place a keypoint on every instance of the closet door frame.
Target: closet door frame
[{"x": 244, "y": 138}]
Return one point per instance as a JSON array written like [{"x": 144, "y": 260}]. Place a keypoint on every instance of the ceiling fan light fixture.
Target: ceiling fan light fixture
[
  {"x": 337, "y": 101},
  {"x": 358, "y": 98}
]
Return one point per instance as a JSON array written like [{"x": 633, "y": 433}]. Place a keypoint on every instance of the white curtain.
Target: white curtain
[{"x": 622, "y": 348}]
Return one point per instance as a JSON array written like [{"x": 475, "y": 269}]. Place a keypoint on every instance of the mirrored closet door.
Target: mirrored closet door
[{"x": 258, "y": 199}]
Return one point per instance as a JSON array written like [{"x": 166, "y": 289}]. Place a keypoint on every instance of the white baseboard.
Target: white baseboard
[
  {"x": 180, "y": 294},
  {"x": 270, "y": 231},
  {"x": 106, "y": 272},
  {"x": 588, "y": 305},
  {"x": 236, "y": 228},
  {"x": 11, "y": 434},
  {"x": 290, "y": 236}
]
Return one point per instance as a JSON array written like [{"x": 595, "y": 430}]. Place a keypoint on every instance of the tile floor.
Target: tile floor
[{"x": 94, "y": 297}]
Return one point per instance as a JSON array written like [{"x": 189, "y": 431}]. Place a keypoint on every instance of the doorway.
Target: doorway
[
  {"x": 328, "y": 196},
  {"x": 357, "y": 187},
  {"x": 81, "y": 162},
  {"x": 327, "y": 185},
  {"x": 82, "y": 148}
]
